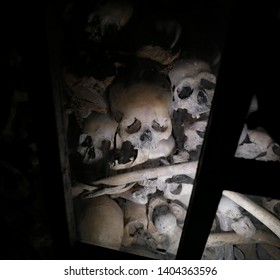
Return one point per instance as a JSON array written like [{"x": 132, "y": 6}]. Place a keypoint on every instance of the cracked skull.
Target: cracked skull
[
  {"x": 193, "y": 86},
  {"x": 144, "y": 113},
  {"x": 97, "y": 137}
]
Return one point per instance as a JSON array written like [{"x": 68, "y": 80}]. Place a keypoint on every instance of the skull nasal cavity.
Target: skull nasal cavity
[
  {"x": 201, "y": 98},
  {"x": 146, "y": 136},
  {"x": 91, "y": 153},
  {"x": 185, "y": 92}
]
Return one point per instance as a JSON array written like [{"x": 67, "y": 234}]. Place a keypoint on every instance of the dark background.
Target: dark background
[{"x": 29, "y": 150}]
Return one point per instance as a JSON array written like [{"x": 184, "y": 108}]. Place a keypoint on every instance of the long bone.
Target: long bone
[
  {"x": 187, "y": 168},
  {"x": 223, "y": 238},
  {"x": 108, "y": 191},
  {"x": 257, "y": 211},
  {"x": 118, "y": 183},
  {"x": 93, "y": 191},
  {"x": 80, "y": 187}
]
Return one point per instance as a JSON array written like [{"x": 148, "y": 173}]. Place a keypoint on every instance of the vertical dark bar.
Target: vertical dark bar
[
  {"x": 237, "y": 81},
  {"x": 42, "y": 64}
]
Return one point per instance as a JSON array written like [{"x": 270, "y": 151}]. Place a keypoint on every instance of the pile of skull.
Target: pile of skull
[
  {"x": 141, "y": 203},
  {"x": 142, "y": 132},
  {"x": 138, "y": 131}
]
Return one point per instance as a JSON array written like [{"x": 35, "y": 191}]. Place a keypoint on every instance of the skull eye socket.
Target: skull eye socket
[
  {"x": 91, "y": 153},
  {"x": 158, "y": 127},
  {"x": 134, "y": 127},
  {"x": 202, "y": 97},
  {"x": 276, "y": 149},
  {"x": 201, "y": 134},
  {"x": 87, "y": 142},
  {"x": 185, "y": 92},
  {"x": 206, "y": 84}
]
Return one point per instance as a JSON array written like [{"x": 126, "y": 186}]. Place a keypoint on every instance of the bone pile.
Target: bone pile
[{"x": 140, "y": 135}]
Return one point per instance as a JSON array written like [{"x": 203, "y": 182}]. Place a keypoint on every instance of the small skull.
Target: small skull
[
  {"x": 144, "y": 113},
  {"x": 193, "y": 86},
  {"x": 97, "y": 137}
]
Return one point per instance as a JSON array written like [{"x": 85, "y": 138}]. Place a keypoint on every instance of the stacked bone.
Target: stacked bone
[
  {"x": 147, "y": 135},
  {"x": 137, "y": 134},
  {"x": 140, "y": 128}
]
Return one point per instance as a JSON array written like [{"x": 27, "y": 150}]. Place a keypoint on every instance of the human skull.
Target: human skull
[
  {"x": 101, "y": 222},
  {"x": 181, "y": 192},
  {"x": 144, "y": 113},
  {"x": 193, "y": 86},
  {"x": 166, "y": 225},
  {"x": 108, "y": 19},
  {"x": 136, "y": 223},
  {"x": 97, "y": 137}
]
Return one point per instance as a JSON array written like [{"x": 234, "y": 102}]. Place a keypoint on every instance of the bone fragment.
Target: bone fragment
[
  {"x": 80, "y": 187},
  {"x": 257, "y": 211},
  {"x": 187, "y": 168},
  {"x": 223, "y": 238},
  {"x": 244, "y": 227},
  {"x": 108, "y": 191},
  {"x": 93, "y": 191}
]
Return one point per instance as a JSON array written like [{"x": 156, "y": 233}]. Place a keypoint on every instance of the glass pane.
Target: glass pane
[
  {"x": 139, "y": 81},
  {"x": 245, "y": 228}
]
